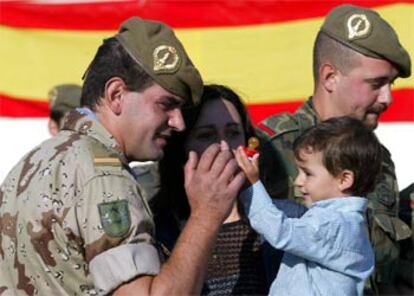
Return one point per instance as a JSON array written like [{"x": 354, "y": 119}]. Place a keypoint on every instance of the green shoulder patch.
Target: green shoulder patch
[{"x": 115, "y": 217}]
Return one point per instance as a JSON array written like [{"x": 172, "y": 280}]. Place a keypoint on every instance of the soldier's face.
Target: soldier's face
[
  {"x": 149, "y": 117},
  {"x": 314, "y": 180},
  {"x": 365, "y": 91},
  {"x": 218, "y": 120}
]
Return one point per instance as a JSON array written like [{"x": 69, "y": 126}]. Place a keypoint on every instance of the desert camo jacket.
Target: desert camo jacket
[
  {"x": 72, "y": 218},
  {"x": 278, "y": 172}
]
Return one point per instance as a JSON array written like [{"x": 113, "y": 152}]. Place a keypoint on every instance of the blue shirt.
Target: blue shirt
[{"x": 327, "y": 250}]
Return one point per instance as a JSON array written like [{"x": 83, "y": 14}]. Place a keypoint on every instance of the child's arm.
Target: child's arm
[
  {"x": 250, "y": 166},
  {"x": 257, "y": 202},
  {"x": 303, "y": 237}
]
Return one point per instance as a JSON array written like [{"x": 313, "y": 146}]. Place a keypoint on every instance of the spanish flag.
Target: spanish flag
[{"x": 262, "y": 49}]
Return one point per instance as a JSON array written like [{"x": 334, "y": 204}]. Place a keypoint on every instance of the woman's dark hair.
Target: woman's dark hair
[
  {"x": 346, "y": 144},
  {"x": 111, "y": 60},
  {"x": 172, "y": 197}
]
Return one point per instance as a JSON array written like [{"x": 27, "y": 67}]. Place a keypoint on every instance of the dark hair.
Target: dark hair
[
  {"x": 328, "y": 50},
  {"x": 213, "y": 92},
  {"x": 346, "y": 144},
  {"x": 56, "y": 116},
  {"x": 111, "y": 60},
  {"x": 172, "y": 198}
]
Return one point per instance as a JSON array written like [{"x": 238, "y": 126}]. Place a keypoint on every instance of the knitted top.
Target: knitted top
[{"x": 236, "y": 265}]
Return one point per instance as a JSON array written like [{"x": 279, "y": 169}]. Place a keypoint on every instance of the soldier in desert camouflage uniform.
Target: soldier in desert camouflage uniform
[
  {"x": 62, "y": 99},
  {"x": 357, "y": 56},
  {"x": 72, "y": 217}
]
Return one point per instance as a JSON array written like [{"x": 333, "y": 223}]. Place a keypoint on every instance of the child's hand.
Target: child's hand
[
  {"x": 252, "y": 145},
  {"x": 249, "y": 165}
]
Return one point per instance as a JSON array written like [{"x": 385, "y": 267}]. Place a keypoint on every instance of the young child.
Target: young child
[{"x": 327, "y": 250}]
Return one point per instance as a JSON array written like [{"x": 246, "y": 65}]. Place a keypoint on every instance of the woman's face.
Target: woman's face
[{"x": 218, "y": 120}]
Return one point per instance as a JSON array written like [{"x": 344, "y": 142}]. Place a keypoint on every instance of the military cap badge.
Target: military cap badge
[
  {"x": 166, "y": 59},
  {"x": 358, "y": 26}
]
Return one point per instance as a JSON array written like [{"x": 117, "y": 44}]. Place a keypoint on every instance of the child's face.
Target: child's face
[{"x": 314, "y": 180}]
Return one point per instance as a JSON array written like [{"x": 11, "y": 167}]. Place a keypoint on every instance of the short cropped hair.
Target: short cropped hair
[
  {"x": 111, "y": 60},
  {"x": 56, "y": 116},
  {"x": 346, "y": 144},
  {"x": 328, "y": 50}
]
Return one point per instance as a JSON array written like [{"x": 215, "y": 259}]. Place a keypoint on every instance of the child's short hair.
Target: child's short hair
[{"x": 346, "y": 144}]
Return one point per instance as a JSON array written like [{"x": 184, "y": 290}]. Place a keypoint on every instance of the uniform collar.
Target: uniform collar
[
  {"x": 86, "y": 123},
  {"x": 307, "y": 114}
]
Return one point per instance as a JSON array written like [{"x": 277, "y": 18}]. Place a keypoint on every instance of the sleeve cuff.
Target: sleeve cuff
[{"x": 121, "y": 264}]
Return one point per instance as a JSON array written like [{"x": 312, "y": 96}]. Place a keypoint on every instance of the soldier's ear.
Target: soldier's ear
[
  {"x": 114, "y": 90},
  {"x": 328, "y": 76},
  {"x": 53, "y": 127}
]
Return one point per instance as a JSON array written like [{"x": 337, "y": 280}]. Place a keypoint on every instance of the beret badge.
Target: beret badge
[
  {"x": 166, "y": 59},
  {"x": 358, "y": 26}
]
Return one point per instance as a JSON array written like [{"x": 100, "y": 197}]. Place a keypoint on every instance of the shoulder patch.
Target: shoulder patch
[
  {"x": 103, "y": 156},
  {"x": 111, "y": 161},
  {"x": 279, "y": 124},
  {"x": 115, "y": 217},
  {"x": 266, "y": 129}
]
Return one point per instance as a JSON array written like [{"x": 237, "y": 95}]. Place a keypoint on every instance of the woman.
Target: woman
[{"x": 240, "y": 262}]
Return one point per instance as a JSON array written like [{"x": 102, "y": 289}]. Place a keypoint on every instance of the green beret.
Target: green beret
[
  {"x": 366, "y": 32},
  {"x": 154, "y": 46},
  {"x": 64, "y": 97}
]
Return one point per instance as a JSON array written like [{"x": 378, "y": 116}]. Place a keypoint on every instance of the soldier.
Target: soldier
[
  {"x": 357, "y": 56},
  {"x": 72, "y": 218},
  {"x": 407, "y": 205},
  {"x": 406, "y": 263},
  {"x": 62, "y": 99}
]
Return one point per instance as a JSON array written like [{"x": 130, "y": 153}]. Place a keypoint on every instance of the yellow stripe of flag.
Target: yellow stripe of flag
[{"x": 265, "y": 63}]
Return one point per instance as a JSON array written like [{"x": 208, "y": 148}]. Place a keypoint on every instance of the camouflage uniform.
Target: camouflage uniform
[
  {"x": 278, "y": 172},
  {"x": 72, "y": 219},
  {"x": 406, "y": 213}
]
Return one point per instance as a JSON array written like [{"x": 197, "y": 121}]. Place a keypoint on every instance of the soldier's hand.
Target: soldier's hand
[{"x": 213, "y": 182}]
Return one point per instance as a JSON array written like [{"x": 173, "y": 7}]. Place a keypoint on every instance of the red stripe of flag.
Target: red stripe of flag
[
  {"x": 178, "y": 14},
  {"x": 401, "y": 110},
  {"x": 12, "y": 107}
]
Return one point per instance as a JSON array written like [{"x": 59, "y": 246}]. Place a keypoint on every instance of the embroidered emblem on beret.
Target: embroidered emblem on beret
[
  {"x": 166, "y": 59},
  {"x": 358, "y": 26}
]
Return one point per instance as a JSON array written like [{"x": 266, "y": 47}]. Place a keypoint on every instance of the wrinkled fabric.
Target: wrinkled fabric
[
  {"x": 327, "y": 250},
  {"x": 50, "y": 221},
  {"x": 278, "y": 172}
]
